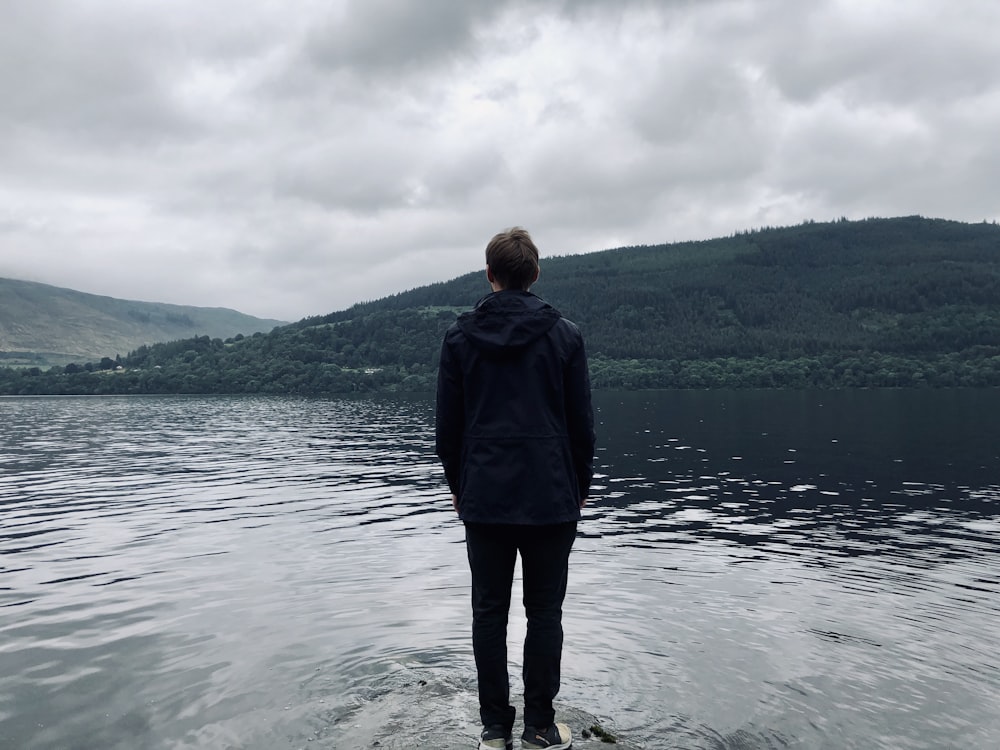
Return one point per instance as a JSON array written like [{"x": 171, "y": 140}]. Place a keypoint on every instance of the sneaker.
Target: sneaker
[
  {"x": 556, "y": 737},
  {"x": 496, "y": 736}
]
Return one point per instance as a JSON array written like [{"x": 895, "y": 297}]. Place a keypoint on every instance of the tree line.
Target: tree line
[{"x": 907, "y": 302}]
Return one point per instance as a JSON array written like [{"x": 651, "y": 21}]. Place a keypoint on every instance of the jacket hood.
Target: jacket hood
[{"x": 508, "y": 320}]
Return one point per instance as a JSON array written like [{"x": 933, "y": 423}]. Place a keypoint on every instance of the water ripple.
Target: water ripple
[{"x": 259, "y": 572}]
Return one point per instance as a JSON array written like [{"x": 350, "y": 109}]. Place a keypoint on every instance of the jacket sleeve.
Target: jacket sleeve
[
  {"x": 450, "y": 417},
  {"x": 580, "y": 418}
]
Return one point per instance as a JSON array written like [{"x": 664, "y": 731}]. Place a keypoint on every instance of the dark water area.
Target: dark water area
[{"x": 756, "y": 569}]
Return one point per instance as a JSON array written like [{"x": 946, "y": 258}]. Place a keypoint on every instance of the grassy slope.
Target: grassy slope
[{"x": 44, "y": 324}]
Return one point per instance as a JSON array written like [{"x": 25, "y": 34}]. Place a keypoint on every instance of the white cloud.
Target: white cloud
[{"x": 290, "y": 160}]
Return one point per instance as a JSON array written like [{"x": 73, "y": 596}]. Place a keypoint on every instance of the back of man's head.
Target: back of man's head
[{"x": 513, "y": 259}]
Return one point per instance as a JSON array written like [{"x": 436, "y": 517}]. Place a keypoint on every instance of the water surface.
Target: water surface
[{"x": 755, "y": 570}]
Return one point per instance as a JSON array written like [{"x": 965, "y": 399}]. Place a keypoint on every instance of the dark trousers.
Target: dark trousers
[{"x": 544, "y": 550}]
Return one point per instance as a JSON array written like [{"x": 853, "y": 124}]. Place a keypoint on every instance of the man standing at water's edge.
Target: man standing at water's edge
[{"x": 515, "y": 434}]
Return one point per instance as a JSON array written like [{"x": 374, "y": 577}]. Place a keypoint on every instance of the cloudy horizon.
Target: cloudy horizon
[{"x": 288, "y": 160}]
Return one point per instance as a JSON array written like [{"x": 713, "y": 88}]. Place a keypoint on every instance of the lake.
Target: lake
[{"x": 756, "y": 569}]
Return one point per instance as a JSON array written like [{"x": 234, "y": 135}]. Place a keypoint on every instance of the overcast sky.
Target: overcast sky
[{"x": 289, "y": 158}]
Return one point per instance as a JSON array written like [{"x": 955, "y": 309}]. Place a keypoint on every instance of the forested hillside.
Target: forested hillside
[{"x": 882, "y": 302}]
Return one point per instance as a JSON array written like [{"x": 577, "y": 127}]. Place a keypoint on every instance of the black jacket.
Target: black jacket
[{"x": 515, "y": 427}]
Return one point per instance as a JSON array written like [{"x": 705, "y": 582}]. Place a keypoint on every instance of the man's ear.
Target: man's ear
[
  {"x": 538, "y": 272},
  {"x": 489, "y": 274}
]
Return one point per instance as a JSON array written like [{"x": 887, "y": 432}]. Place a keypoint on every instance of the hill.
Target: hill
[
  {"x": 876, "y": 303},
  {"x": 45, "y": 325}
]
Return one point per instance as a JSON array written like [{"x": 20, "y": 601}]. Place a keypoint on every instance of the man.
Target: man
[{"x": 515, "y": 434}]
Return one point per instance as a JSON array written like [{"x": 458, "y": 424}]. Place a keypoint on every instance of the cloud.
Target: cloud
[
  {"x": 288, "y": 163},
  {"x": 911, "y": 54},
  {"x": 386, "y": 36}
]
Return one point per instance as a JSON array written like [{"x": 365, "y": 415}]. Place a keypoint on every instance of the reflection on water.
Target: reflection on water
[{"x": 756, "y": 570}]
